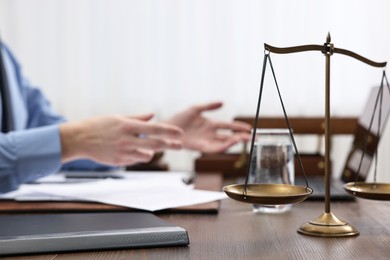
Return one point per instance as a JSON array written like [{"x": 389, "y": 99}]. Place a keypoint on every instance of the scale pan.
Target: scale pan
[
  {"x": 268, "y": 194},
  {"x": 366, "y": 190}
]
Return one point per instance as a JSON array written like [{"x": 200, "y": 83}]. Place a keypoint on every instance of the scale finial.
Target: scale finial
[{"x": 328, "y": 39}]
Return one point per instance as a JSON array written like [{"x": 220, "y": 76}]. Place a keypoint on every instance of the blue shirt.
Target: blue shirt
[{"x": 33, "y": 149}]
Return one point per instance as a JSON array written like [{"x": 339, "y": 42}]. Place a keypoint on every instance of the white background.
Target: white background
[{"x": 129, "y": 57}]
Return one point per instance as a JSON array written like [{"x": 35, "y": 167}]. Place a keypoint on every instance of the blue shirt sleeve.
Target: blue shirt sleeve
[{"x": 27, "y": 155}]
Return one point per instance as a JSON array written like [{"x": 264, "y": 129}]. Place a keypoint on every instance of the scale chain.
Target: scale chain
[{"x": 267, "y": 57}]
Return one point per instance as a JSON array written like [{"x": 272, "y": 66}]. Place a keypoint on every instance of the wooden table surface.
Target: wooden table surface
[{"x": 237, "y": 233}]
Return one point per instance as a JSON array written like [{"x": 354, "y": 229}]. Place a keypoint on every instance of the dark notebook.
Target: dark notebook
[{"x": 26, "y": 234}]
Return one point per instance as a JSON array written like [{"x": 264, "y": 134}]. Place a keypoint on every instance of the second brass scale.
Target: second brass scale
[{"x": 327, "y": 224}]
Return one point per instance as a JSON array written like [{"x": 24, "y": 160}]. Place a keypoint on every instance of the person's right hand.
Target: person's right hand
[{"x": 117, "y": 140}]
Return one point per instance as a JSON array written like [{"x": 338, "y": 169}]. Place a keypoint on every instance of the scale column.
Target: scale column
[
  {"x": 327, "y": 225},
  {"x": 329, "y": 51}
]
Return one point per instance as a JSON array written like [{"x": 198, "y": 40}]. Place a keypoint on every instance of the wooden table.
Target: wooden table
[{"x": 237, "y": 233}]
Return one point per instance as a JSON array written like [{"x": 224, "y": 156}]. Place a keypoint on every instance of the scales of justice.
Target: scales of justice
[{"x": 327, "y": 224}]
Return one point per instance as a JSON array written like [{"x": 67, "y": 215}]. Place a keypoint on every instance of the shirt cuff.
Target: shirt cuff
[{"x": 38, "y": 152}]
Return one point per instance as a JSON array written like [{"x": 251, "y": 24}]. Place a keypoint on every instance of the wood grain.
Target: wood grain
[{"x": 237, "y": 233}]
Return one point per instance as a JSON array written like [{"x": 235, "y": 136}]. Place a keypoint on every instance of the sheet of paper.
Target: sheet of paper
[{"x": 147, "y": 191}]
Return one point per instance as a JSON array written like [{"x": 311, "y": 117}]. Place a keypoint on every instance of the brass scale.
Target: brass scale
[{"x": 327, "y": 224}]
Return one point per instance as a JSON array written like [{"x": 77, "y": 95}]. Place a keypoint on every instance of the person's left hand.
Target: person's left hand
[{"x": 204, "y": 135}]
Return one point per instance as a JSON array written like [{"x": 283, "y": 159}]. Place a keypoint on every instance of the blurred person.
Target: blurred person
[{"x": 35, "y": 141}]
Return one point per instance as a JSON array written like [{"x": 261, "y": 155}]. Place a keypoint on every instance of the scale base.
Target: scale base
[{"x": 328, "y": 225}]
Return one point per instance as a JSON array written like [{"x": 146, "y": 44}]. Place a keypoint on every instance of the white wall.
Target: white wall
[{"x": 125, "y": 56}]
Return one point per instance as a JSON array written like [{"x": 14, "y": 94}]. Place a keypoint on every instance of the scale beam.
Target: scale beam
[
  {"x": 323, "y": 49},
  {"x": 361, "y": 58}
]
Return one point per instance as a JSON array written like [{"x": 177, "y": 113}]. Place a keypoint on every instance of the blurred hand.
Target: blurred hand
[
  {"x": 202, "y": 134},
  {"x": 117, "y": 140}
]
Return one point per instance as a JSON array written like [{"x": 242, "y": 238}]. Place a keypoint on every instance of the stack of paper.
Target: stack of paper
[{"x": 142, "y": 190}]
